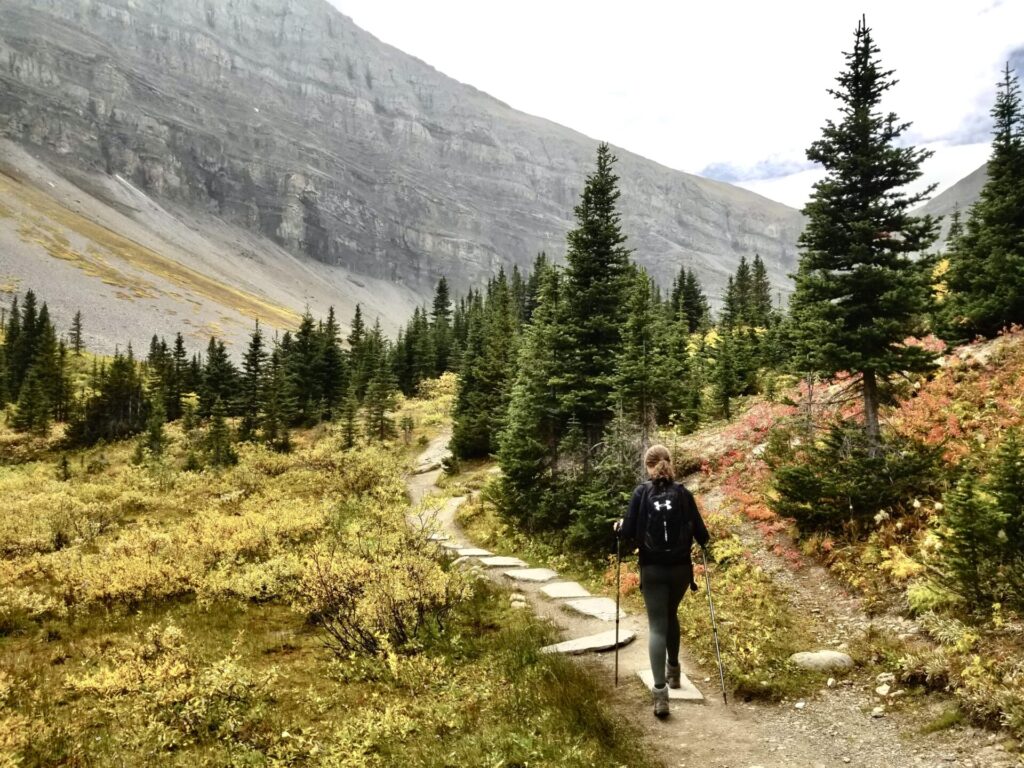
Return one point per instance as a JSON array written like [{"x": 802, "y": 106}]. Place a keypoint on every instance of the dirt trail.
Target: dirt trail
[{"x": 832, "y": 728}]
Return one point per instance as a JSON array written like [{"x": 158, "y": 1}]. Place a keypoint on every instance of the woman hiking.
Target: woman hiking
[{"x": 663, "y": 521}]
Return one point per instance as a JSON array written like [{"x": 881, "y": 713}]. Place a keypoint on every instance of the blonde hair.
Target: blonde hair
[{"x": 659, "y": 463}]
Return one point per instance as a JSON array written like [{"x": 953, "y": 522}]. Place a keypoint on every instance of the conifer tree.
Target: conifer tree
[
  {"x": 251, "y": 396},
  {"x": 986, "y": 262},
  {"x": 32, "y": 412},
  {"x": 12, "y": 332},
  {"x": 528, "y": 443},
  {"x": 640, "y": 390},
  {"x": 219, "y": 378},
  {"x": 971, "y": 549},
  {"x": 349, "y": 417},
  {"x": 760, "y": 310},
  {"x": 333, "y": 383},
  {"x": 219, "y": 450},
  {"x": 154, "y": 440},
  {"x": 441, "y": 328},
  {"x": 380, "y": 400},
  {"x": 692, "y": 301},
  {"x": 595, "y": 287},
  {"x": 76, "y": 334},
  {"x": 859, "y": 277},
  {"x": 360, "y": 357},
  {"x": 303, "y": 362},
  {"x": 177, "y": 380}
]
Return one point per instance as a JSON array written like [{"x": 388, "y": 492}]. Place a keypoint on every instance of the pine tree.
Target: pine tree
[
  {"x": 971, "y": 548},
  {"x": 32, "y": 412},
  {"x": 441, "y": 328},
  {"x": 251, "y": 391},
  {"x": 470, "y": 414},
  {"x": 986, "y": 262},
  {"x": 279, "y": 403},
  {"x": 595, "y": 288},
  {"x": 1007, "y": 488},
  {"x": 334, "y": 377},
  {"x": 219, "y": 451},
  {"x": 219, "y": 378},
  {"x": 760, "y": 313},
  {"x": 154, "y": 440},
  {"x": 76, "y": 334},
  {"x": 349, "y": 417},
  {"x": 859, "y": 277},
  {"x": 692, "y": 301},
  {"x": 640, "y": 390},
  {"x": 12, "y": 332},
  {"x": 528, "y": 443},
  {"x": 177, "y": 380},
  {"x": 380, "y": 400},
  {"x": 304, "y": 363},
  {"x": 360, "y": 358}
]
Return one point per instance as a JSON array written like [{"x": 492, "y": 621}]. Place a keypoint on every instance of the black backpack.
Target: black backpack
[{"x": 667, "y": 520}]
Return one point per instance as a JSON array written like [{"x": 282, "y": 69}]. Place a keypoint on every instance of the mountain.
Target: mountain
[
  {"x": 275, "y": 146},
  {"x": 961, "y": 195}
]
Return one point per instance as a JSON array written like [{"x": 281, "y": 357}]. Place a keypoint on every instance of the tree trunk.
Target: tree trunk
[{"x": 871, "y": 412}]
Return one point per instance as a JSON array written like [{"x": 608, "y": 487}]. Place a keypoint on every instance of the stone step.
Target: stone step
[
  {"x": 599, "y": 607},
  {"x": 686, "y": 692},
  {"x": 563, "y": 590},
  {"x": 603, "y": 641},
  {"x": 439, "y": 537},
  {"x": 536, "y": 575},
  {"x": 503, "y": 562},
  {"x": 473, "y": 552}
]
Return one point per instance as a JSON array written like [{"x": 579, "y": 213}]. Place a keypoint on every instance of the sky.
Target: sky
[{"x": 735, "y": 90}]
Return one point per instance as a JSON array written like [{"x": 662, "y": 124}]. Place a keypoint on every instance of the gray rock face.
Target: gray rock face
[{"x": 285, "y": 118}]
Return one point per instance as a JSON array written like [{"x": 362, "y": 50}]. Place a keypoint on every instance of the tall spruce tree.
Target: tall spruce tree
[
  {"x": 441, "y": 328},
  {"x": 528, "y": 442},
  {"x": 251, "y": 395},
  {"x": 858, "y": 276},
  {"x": 333, "y": 373},
  {"x": 219, "y": 378},
  {"x": 986, "y": 261},
  {"x": 596, "y": 284},
  {"x": 640, "y": 390},
  {"x": 75, "y": 336}
]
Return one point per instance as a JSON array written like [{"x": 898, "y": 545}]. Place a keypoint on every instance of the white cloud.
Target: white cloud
[{"x": 692, "y": 85}]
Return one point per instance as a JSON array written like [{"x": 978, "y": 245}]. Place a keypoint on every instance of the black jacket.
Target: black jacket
[{"x": 635, "y": 523}]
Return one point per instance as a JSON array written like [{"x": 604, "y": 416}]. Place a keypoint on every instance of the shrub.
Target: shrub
[
  {"x": 378, "y": 588},
  {"x": 838, "y": 483}
]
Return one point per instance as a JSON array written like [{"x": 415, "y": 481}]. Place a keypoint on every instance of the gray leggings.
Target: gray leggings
[{"x": 663, "y": 587}]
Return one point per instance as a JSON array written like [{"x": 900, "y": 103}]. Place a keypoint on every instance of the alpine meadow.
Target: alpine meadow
[{"x": 379, "y": 492}]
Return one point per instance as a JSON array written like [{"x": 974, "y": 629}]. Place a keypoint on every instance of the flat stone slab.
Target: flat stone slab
[
  {"x": 503, "y": 562},
  {"x": 599, "y": 607},
  {"x": 822, "y": 661},
  {"x": 685, "y": 692},
  {"x": 537, "y": 575},
  {"x": 439, "y": 537},
  {"x": 452, "y": 545},
  {"x": 603, "y": 641},
  {"x": 564, "y": 589},
  {"x": 473, "y": 552}
]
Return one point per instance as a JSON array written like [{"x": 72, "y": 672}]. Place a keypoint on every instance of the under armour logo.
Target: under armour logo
[{"x": 667, "y": 504}]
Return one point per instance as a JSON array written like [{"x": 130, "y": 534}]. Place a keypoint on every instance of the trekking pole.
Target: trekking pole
[
  {"x": 714, "y": 624},
  {"x": 618, "y": 592}
]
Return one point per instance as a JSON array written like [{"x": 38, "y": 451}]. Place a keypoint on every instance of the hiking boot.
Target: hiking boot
[
  {"x": 673, "y": 675},
  {"x": 660, "y": 701}
]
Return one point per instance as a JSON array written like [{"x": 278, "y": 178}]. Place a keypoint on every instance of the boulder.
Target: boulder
[{"x": 822, "y": 661}]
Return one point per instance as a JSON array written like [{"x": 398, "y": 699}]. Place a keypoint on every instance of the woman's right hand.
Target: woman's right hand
[{"x": 617, "y": 525}]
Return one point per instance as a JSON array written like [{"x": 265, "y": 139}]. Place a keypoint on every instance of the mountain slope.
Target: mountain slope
[
  {"x": 283, "y": 118},
  {"x": 961, "y": 195}
]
